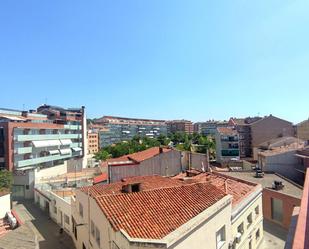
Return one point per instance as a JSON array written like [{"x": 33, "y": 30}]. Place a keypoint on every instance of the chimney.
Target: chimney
[
  {"x": 130, "y": 188},
  {"x": 160, "y": 150}
]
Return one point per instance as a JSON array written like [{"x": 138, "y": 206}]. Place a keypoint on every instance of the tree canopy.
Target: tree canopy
[
  {"x": 180, "y": 140},
  {"x": 6, "y": 179}
]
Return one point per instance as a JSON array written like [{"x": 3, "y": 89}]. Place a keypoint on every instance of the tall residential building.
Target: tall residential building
[
  {"x": 186, "y": 211},
  {"x": 118, "y": 129},
  {"x": 227, "y": 145},
  {"x": 256, "y": 130},
  {"x": 180, "y": 126},
  {"x": 209, "y": 127},
  {"x": 93, "y": 142},
  {"x": 33, "y": 142}
]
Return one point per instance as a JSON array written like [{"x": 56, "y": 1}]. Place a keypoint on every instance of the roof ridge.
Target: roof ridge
[{"x": 161, "y": 188}]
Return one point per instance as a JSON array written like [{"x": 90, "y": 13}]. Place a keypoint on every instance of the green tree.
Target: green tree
[{"x": 6, "y": 179}]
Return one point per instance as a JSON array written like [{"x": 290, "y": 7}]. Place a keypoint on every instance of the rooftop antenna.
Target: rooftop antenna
[
  {"x": 23, "y": 107},
  {"x": 45, "y": 100}
]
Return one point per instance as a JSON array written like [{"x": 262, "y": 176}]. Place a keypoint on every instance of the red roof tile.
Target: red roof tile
[
  {"x": 138, "y": 156},
  {"x": 226, "y": 130},
  {"x": 141, "y": 217},
  {"x": 239, "y": 189},
  {"x": 100, "y": 178},
  {"x": 146, "y": 183}
]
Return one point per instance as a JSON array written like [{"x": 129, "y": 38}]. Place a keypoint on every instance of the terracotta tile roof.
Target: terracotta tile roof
[
  {"x": 146, "y": 183},
  {"x": 239, "y": 189},
  {"x": 100, "y": 178},
  {"x": 138, "y": 156},
  {"x": 140, "y": 215},
  {"x": 226, "y": 130}
]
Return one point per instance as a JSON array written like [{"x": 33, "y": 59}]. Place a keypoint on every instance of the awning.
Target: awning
[
  {"x": 65, "y": 141},
  {"x": 54, "y": 152},
  {"x": 46, "y": 143},
  {"x": 65, "y": 151},
  {"x": 76, "y": 149}
]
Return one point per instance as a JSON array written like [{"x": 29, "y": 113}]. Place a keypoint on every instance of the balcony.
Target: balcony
[
  {"x": 44, "y": 159},
  {"x": 72, "y": 127},
  {"x": 22, "y": 138},
  {"x": 231, "y": 152},
  {"x": 23, "y": 150}
]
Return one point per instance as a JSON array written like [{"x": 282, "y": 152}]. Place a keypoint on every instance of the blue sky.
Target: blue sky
[{"x": 197, "y": 60}]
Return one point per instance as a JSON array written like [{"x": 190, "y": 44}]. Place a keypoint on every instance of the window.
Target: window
[
  {"x": 257, "y": 234},
  {"x": 240, "y": 228},
  {"x": 92, "y": 229},
  {"x": 66, "y": 219},
  {"x": 220, "y": 237},
  {"x": 276, "y": 209},
  {"x": 249, "y": 219},
  {"x": 55, "y": 209},
  {"x": 81, "y": 210},
  {"x": 257, "y": 211},
  {"x": 97, "y": 235}
]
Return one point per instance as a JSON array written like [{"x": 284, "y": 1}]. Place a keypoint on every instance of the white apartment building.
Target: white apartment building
[{"x": 210, "y": 210}]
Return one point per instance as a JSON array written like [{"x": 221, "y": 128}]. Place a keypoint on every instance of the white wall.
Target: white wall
[
  {"x": 5, "y": 204},
  {"x": 50, "y": 172},
  {"x": 63, "y": 208}
]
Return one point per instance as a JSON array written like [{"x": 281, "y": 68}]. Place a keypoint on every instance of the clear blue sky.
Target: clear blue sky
[{"x": 162, "y": 59}]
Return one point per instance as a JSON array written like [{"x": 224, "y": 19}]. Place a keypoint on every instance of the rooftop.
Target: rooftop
[
  {"x": 290, "y": 188},
  {"x": 226, "y": 131},
  {"x": 137, "y": 157},
  {"x": 238, "y": 188},
  {"x": 141, "y": 217},
  {"x": 282, "y": 149},
  {"x": 146, "y": 183}
]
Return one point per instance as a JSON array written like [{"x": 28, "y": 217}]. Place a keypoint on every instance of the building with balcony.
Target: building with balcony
[
  {"x": 209, "y": 128},
  {"x": 33, "y": 143},
  {"x": 227, "y": 145},
  {"x": 119, "y": 129},
  {"x": 160, "y": 212},
  {"x": 180, "y": 126},
  {"x": 256, "y": 130}
]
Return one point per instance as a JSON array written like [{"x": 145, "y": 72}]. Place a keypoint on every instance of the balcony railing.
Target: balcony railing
[{"x": 22, "y": 138}]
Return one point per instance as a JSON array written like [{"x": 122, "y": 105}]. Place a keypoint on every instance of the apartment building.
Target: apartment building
[
  {"x": 159, "y": 212},
  {"x": 209, "y": 128},
  {"x": 93, "y": 142},
  {"x": 227, "y": 145},
  {"x": 39, "y": 142},
  {"x": 302, "y": 130},
  {"x": 255, "y": 130},
  {"x": 118, "y": 129},
  {"x": 180, "y": 126}
]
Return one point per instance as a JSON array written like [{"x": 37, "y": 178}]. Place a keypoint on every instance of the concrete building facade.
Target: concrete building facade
[
  {"x": 33, "y": 142},
  {"x": 227, "y": 145},
  {"x": 180, "y": 126},
  {"x": 209, "y": 128},
  {"x": 119, "y": 129},
  {"x": 93, "y": 142},
  {"x": 255, "y": 130}
]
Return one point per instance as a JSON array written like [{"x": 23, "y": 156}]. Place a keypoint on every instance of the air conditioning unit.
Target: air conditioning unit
[{"x": 238, "y": 237}]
